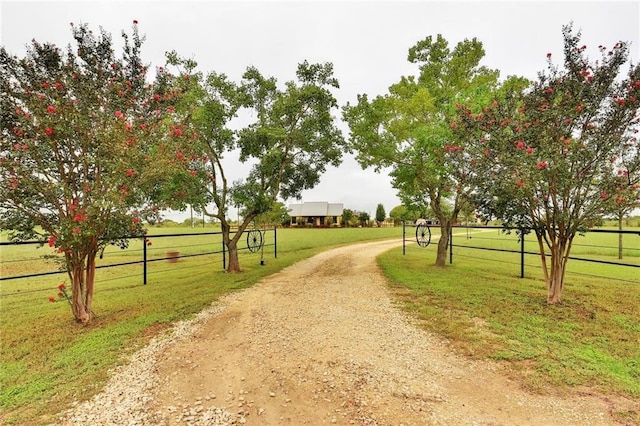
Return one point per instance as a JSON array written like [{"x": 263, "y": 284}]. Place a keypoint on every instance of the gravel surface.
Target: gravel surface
[{"x": 320, "y": 342}]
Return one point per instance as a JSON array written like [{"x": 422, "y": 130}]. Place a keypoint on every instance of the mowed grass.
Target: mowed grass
[
  {"x": 486, "y": 311},
  {"x": 48, "y": 361},
  {"x": 479, "y": 303}
]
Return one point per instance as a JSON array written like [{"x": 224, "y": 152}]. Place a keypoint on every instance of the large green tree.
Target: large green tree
[
  {"x": 409, "y": 129},
  {"x": 552, "y": 157},
  {"x": 287, "y": 148},
  {"x": 82, "y": 135}
]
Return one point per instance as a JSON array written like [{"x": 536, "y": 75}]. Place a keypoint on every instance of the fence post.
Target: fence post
[
  {"x": 144, "y": 260},
  {"x": 275, "y": 242},
  {"x": 224, "y": 255},
  {"x": 404, "y": 232},
  {"x": 521, "y": 253},
  {"x": 450, "y": 244}
]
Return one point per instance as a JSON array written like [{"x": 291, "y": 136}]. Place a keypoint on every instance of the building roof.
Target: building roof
[{"x": 316, "y": 208}]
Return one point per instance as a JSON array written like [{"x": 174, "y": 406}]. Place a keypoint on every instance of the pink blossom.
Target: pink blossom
[
  {"x": 48, "y": 131},
  {"x": 51, "y": 109},
  {"x": 541, "y": 165},
  {"x": 520, "y": 144},
  {"x": 76, "y": 231},
  {"x": 529, "y": 150},
  {"x": 119, "y": 114}
]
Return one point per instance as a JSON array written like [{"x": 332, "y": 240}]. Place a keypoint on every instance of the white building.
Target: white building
[{"x": 317, "y": 214}]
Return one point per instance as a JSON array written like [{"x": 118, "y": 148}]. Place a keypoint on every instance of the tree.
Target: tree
[
  {"x": 277, "y": 215},
  {"x": 627, "y": 191},
  {"x": 410, "y": 128},
  {"x": 404, "y": 213},
  {"x": 380, "y": 214},
  {"x": 83, "y": 138},
  {"x": 347, "y": 217},
  {"x": 289, "y": 145},
  {"x": 549, "y": 156},
  {"x": 363, "y": 218}
]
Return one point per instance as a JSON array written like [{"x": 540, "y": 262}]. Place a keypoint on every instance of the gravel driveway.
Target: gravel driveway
[{"x": 320, "y": 342}]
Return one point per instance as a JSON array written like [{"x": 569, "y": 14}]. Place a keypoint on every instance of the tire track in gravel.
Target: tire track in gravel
[{"x": 321, "y": 342}]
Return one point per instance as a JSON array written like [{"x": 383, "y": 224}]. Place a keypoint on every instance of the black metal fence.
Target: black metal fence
[
  {"x": 472, "y": 235},
  {"x": 165, "y": 248}
]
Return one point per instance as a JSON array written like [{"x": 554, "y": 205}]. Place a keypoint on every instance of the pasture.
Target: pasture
[{"x": 478, "y": 303}]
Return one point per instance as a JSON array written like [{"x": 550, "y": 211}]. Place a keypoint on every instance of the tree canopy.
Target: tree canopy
[
  {"x": 288, "y": 147},
  {"x": 410, "y": 128}
]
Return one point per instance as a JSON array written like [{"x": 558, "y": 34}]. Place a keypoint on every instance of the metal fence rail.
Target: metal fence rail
[
  {"x": 172, "y": 252},
  {"x": 522, "y": 236}
]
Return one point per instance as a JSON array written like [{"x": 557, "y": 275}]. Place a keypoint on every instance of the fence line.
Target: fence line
[
  {"x": 522, "y": 240},
  {"x": 172, "y": 255}
]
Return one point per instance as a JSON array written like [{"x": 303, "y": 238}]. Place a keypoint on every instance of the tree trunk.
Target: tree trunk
[
  {"x": 620, "y": 218},
  {"x": 560, "y": 250},
  {"x": 232, "y": 243},
  {"x": 81, "y": 269},
  {"x": 443, "y": 243},
  {"x": 234, "y": 262},
  {"x": 555, "y": 281},
  {"x": 78, "y": 293}
]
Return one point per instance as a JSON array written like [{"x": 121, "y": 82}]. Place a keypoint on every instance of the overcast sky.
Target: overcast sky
[{"x": 367, "y": 41}]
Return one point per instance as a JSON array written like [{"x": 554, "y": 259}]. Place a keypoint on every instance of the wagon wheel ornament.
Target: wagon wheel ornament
[
  {"x": 254, "y": 240},
  {"x": 423, "y": 235}
]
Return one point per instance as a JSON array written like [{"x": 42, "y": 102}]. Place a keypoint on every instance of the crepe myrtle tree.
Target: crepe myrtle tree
[
  {"x": 409, "y": 130},
  {"x": 83, "y": 142},
  {"x": 555, "y": 156},
  {"x": 287, "y": 148},
  {"x": 626, "y": 196}
]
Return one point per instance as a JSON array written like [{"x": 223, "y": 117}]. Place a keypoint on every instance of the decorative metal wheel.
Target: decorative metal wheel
[
  {"x": 254, "y": 240},
  {"x": 423, "y": 235}
]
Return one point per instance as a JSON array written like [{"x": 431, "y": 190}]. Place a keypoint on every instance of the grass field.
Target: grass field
[
  {"x": 479, "y": 303},
  {"x": 48, "y": 361}
]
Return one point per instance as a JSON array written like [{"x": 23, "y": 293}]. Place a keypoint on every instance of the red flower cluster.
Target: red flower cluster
[
  {"x": 51, "y": 109},
  {"x": 80, "y": 217},
  {"x": 48, "y": 131}
]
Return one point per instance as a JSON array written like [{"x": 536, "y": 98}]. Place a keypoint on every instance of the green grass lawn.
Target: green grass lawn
[
  {"x": 479, "y": 303},
  {"x": 48, "y": 361},
  {"x": 485, "y": 310}
]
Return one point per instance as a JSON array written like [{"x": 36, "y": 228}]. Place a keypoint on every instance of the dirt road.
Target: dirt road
[{"x": 321, "y": 342}]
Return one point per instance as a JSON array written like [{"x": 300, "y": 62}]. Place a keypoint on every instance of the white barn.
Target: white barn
[{"x": 317, "y": 213}]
